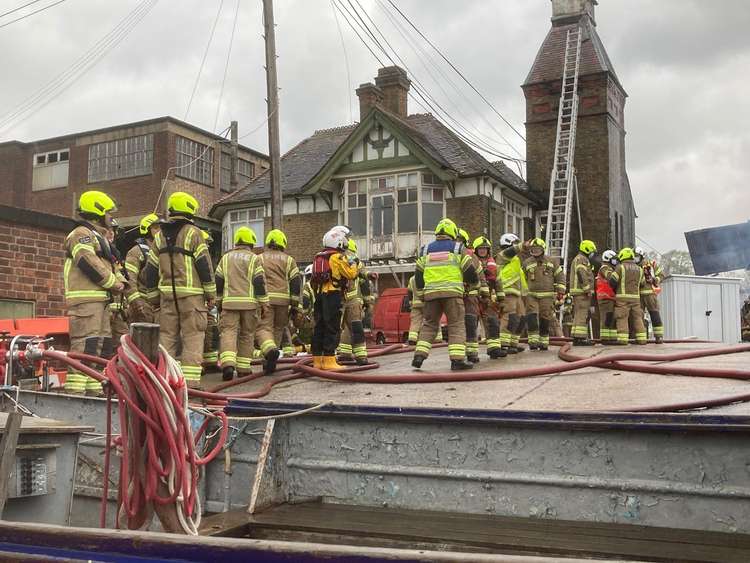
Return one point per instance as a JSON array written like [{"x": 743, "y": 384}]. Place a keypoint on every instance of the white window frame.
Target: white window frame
[
  {"x": 253, "y": 217},
  {"x": 43, "y": 173},
  {"x": 121, "y": 158},
  {"x": 195, "y": 161}
]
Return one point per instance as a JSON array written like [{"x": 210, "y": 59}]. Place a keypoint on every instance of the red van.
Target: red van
[{"x": 391, "y": 317}]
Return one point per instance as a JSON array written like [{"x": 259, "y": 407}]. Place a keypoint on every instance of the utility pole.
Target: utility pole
[
  {"x": 273, "y": 115},
  {"x": 233, "y": 158}
]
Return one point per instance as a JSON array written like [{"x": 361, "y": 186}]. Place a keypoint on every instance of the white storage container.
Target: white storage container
[{"x": 707, "y": 308}]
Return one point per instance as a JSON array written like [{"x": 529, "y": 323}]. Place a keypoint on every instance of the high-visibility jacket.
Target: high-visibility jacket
[
  {"x": 627, "y": 279},
  {"x": 656, "y": 274},
  {"x": 88, "y": 272},
  {"x": 416, "y": 296},
  {"x": 443, "y": 268},
  {"x": 581, "y": 276},
  {"x": 308, "y": 299},
  {"x": 545, "y": 276},
  {"x": 182, "y": 268},
  {"x": 479, "y": 289},
  {"x": 283, "y": 280},
  {"x": 240, "y": 280},
  {"x": 604, "y": 291},
  {"x": 511, "y": 273}
]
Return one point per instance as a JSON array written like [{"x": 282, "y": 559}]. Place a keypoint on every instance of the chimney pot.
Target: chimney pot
[
  {"x": 369, "y": 96},
  {"x": 392, "y": 80}
]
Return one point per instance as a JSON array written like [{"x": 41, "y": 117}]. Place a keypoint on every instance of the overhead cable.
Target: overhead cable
[
  {"x": 30, "y": 13},
  {"x": 226, "y": 65},
  {"x": 19, "y": 8},
  {"x": 203, "y": 60}
]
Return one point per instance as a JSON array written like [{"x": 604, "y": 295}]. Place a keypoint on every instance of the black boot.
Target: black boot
[
  {"x": 461, "y": 365},
  {"x": 582, "y": 342},
  {"x": 659, "y": 339},
  {"x": 417, "y": 362},
  {"x": 497, "y": 353},
  {"x": 473, "y": 358},
  {"x": 227, "y": 373},
  {"x": 519, "y": 348},
  {"x": 510, "y": 350},
  {"x": 533, "y": 346},
  {"x": 362, "y": 362},
  {"x": 269, "y": 365}
]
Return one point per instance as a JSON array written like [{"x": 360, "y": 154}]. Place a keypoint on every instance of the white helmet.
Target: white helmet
[
  {"x": 640, "y": 254},
  {"x": 308, "y": 270},
  {"x": 508, "y": 239},
  {"x": 335, "y": 238},
  {"x": 609, "y": 256}
]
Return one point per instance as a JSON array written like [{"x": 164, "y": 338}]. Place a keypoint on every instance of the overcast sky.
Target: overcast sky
[{"x": 684, "y": 64}]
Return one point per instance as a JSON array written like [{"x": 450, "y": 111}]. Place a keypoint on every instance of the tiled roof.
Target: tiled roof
[
  {"x": 550, "y": 59},
  {"x": 302, "y": 163}
]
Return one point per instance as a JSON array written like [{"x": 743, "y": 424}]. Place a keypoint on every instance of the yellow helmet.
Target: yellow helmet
[
  {"x": 352, "y": 246},
  {"x": 96, "y": 203},
  {"x": 146, "y": 223},
  {"x": 277, "y": 238},
  {"x": 207, "y": 236},
  {"x": 626, "y": 254},
  {"x": 464, "y": 236},
  {"x": 182, "y": 204},
  {"x": 245, "y": 235},
  {"x": 540, "y": 242},
  {"x": 481, "y": 242},
  {"x": 587, "y": 247},
  {"x": 447, "y": 227}
]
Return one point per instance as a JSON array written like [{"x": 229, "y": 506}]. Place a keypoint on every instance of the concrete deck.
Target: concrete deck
[{"x": 585, "y": 389}]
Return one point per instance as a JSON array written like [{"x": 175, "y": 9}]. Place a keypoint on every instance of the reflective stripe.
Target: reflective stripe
[
  {"x": 244, "y": 363},
  {"x": 188, "y": 260},
  {"x": 80, "y": 246},
  {"x": 422, "y": 348},
  {"x": 267, "y": 346},
  {"x": 541, "y": 294},
  {"x": 133, "y": 296},
  {"x": 132, "y": 268},
  {"x": 86, "y": 293}
]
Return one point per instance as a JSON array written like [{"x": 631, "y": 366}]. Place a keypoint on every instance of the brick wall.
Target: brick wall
[
  {"x": 305, "y": 232},
  {"x": 31, "y": 259},
  {"x": 15, "y": 173},
  {"x": 470, "y": 213}
]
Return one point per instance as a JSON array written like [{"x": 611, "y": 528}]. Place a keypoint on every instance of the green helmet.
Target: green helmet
[
  {"x": 447, "y": 227},
  {"x": 587, "y": 247},
  {"x": 626, "y": 254},
  {"x": 183, "y": 204},
  {"x": 463, "y": 236},
  {"x": 481, "y": 242},
  {"x": 95, "y": 203},
  {"x": 146, "y": 223},
  {"x": 276, "y": 238},
  {"x": 245, "y": 235}
]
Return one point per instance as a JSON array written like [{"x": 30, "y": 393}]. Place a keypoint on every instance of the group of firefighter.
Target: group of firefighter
[
  {"x": 254, "y": 303},
  {"x": 521, "y": 288}
]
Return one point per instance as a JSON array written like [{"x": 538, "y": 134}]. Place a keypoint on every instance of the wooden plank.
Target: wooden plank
[
  {"x": 8, "y": 454},
  {"x": 38, "y": 425},
  {"x": 265, "y": 448}
]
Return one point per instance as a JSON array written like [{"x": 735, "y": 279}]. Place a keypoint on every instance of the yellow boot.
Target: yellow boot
[
  {"x": 330, "y": 364},
  {"x": 318, "y": 362}
]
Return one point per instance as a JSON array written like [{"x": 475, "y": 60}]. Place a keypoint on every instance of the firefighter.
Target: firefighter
[
  {"x": 442, "y": 269},
  {"x": 650, "y": 292},
  {"x": 284, "y": 284},
  {"x": 118, "y": 308},
  {"x": 211, "y": 338},
  {"x": 241, "y": 289},
  {"x": 488, "y": 308},
  {"x": 627, "y": 280},
  {"x": 352, "y": 344},
  {"x": 135, "y": 260},
  {"x": 546, "y": 281},
  {"x": 513, "y": 280},
  {"x": 605, "y": 297},
  {"x": 473, "y": 294},
  {"x": 567, "y": 316},
  {"x": 90, "y": 284},
  {"x": 331, "y": 274},
  {"x": 416, "y": 317},
  {"x": 179, "y": 264},
  {"x": 308, "y": 301},
  {"x": 581, "y": 286}
]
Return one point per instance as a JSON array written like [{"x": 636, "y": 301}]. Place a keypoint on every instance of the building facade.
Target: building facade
[
  {"x": 607, "y": 209},
  {"x": 138, "y": 164},
  {"x": 390, "y": 178}
]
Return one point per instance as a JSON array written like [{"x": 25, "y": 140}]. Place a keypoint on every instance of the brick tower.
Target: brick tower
[{"x": 607, "y": 210}]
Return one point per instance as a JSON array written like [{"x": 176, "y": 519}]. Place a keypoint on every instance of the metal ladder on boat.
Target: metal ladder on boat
[{"x": 563, "y": 181}]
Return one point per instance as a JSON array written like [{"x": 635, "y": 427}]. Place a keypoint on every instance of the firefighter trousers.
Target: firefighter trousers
[
  {"x": 628, "y": 313},
  {"x": 650, "y": 303},
  {"x": 581, "y": 314},
  {"x": 211, "y": 341},
  {"x": 510, "y": 322},
  {"x": 118, "y": 325},
  {"x": 237, "y": 329},
  {"x": 327, "y": 323},
  {"x": 539, "y": 315},
  {"x": 607, "y": 321},
  {"x": 415, "y": 322},
  {"x": 433, "y": 310},
  {"x": 352, "y": 331},
  {"x": 471, "y": 321},
  {"x": 491, "y": 323},
  {"x": 264, "y": 331},
  {"x": 183, "y": 330},
  {"x": 89, "y": 334}
]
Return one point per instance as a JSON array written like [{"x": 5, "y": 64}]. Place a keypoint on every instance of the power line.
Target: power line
[
  {"x": 19, "y": 8},
  {"x": 31, "y": 13},
  {"x": 203, "y": 61},
  {"x": 69, "y": 76},
  {"x": 346, "y": 61},
  {"x": 439, "y": 52},
  {"x": 226, "y": 65},
  {"x": 256, "y": 129}
]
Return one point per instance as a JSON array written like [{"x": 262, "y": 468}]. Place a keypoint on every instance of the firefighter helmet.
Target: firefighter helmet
[
  {"x": 463, "y": 236},
  {"x": 276, "y": 238},
  {"x": 609, "y": 256},
  {"x": 94, "y": 202},
  {"x": 181, "y": 203},
  {"x": 352, "y": 246},
  {"x": 482, "y": 242},
  {"x": 245, "y": 235},
  {"x": 335, "y": 238},
  {"x": 508, "y": 239},
  {"x": 146, "y": 223},
  {"x": 538, "y": 247},
  {"x": 626, "y": 254},
  {"x": 587, "y": 247},
  {"x": 308, "y": 270},
  {"x": 447, "y": 227},
  {"x": 207, "y": 236}
]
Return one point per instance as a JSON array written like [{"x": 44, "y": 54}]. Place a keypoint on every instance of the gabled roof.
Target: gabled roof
[
  {"x": 302, "y": 166},
  {"x": 549, "y": 61}
]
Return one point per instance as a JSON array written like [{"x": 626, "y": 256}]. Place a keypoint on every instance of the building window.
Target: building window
[
  {"x": 432, "y": 201},
  {"x": 356, "y": 203},
  {"x": 253, "y": 218},
  {"x": 381, "y": 215},
  {"x": 50, "y": 170},
  {"x": 514, "y": 214},
  {"x": 195, "y": 161},
  {"x": 16, "y": 309},
  {"x": 245, "y": 172},
  {"x": 122, "y": 158},
  {"x": 408, "y": 194}
]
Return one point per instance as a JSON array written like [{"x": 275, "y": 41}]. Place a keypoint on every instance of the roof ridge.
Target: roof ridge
[{"x": 337, "y": 129}]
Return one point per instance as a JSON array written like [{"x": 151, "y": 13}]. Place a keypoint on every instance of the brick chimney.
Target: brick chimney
[
  {"x": 569, "y": 11},
  {"x": 369, "y": 96},
  {"x": 395, "y": 85}
]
